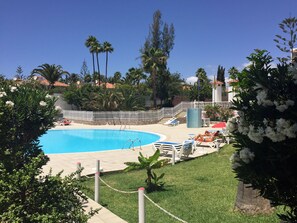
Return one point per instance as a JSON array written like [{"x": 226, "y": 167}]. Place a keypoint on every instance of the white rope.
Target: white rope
[
  {"x": 167, "y": 212},
  {"x": 120, "y": 191},
  {"x": 132, "y": 192}
]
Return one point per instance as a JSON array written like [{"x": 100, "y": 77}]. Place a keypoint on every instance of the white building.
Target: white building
[
  {"x": 217, "y": 91},
  {"x": 230, "y": 90}
]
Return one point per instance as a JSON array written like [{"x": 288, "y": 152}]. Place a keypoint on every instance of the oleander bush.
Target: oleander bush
[
  {"x": 266, "y": 131},
  {"x": 27, "y": 194}
]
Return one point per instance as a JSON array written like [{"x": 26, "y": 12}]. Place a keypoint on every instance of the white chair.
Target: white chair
[
  {"x": 182, "y": 150},
  {"x": 188, "y": 148},
  {"x": 174, "y": 122},
  {"x": 215, "y": 144},
  {"x": 168, "y": 122},
  {"x": 166, "y": 147}
]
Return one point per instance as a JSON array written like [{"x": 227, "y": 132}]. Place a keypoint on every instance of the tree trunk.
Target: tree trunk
[
  {"x": 93, "y": 68},
  {"x": 249, "y": 201},
  {"x": 154, "y": 89},
  {"x": 106, "y": 66},
  {"x": 98, "y": 67}
]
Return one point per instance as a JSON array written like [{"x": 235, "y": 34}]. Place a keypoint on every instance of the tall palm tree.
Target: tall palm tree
[
  {"x": 90, "y": 43},
  {"x": 98, "y": 49},
  {"x": 107, "y": 48},
  {"x": 51, "y": 73},
  {"x": 153, "y": 61}
]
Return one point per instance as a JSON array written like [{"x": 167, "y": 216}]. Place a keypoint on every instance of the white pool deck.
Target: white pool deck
[{"x": 114, "y": 160}]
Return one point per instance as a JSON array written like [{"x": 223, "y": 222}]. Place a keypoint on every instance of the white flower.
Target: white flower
[
  {"x": 13, "y": 89},
  {"x": 243, "y": 126},
  {"x": 58, "y": 108},
  {"x": 282, "y": 106},
  {"x": 262, "y": 98},
  {"x": 246, "y": 155},
  {"x": 235, "y": 160},
  {"x": 274, "y": 135},
  {"x": 285, "y": 128},
  {"x": 42, "y": 103},
  {"x": 265, "y": 121},
  {"x": 9, "y": 103},
  {"x": 231, "y": 125},
  {"x": 48, "y": 96},
  {"x": 290, "y": 102},
  {"x": 291, "y": 131},
  {"x": 2, "y": 94},
  {"x": 256, "y": 135}
]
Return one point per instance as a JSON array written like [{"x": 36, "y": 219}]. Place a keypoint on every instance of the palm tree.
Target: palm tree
[
  {"x": 153, "y": 181},
  {"x": 51, "y": 73},
  {"x": 72, "y": 78},
  {"x": 91, "y": 43},
  {"x": 117, "y": 77},
  {"x": 233, "y": 71},
  {"x": 98, "y": 49},
  {"x": 107, "y": 48},
  {"x": 154, "y": 60}
]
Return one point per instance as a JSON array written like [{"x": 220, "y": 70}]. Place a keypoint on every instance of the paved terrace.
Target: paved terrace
[{"x": 114, "y": 160}]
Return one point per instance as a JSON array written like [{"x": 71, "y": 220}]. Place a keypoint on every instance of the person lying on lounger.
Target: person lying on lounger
[{"x": 207, "y": 136}]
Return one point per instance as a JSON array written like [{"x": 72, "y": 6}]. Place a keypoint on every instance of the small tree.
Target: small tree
[
  {"x": 84, "y": 71},
  {"x": 202, "y": 88},
  {"x": 221, "y": 74},
  {"x": 153, "y": 182},
  {"x": 26, "y": 194},
  {"x": 19, "y": 73},
  {"x": 287, "y": 44}
]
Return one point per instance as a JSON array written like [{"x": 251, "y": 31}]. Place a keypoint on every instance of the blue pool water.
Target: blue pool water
[{"x": 92, "y": 140}]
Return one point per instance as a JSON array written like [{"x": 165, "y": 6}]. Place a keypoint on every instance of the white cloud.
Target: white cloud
[
  {"x": 191, "y": 80},
  {"x": 273, "y": 65},
  {"x": 246, "y": 64}
]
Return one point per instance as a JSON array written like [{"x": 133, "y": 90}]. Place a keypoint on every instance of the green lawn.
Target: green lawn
[{"x": 200, "y": 190}]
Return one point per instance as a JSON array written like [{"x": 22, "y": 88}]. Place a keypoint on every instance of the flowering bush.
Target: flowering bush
[
  {"x": 266, "y": 131},
  {"x": 26, "y": 113},
  {"x": 218, "y": 113}
]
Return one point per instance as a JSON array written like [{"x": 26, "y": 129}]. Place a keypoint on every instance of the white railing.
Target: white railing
[{"x": 135, "y": 117}]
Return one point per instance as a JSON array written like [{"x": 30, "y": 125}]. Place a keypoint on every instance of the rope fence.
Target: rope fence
[
  {"x": 120, "y": 191},
  {"x": 162, "y": 209},
  {"x": 140, "y": 191}
]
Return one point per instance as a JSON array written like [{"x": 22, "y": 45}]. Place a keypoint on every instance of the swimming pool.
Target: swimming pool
[{"x": 93, "y": 140}]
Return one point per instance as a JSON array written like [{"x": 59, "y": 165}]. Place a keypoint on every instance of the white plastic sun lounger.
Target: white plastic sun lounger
[{"x": 181, "y": 149}]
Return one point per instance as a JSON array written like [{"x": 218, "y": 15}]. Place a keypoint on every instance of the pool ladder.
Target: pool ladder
[{"x": 132, "y": 143}]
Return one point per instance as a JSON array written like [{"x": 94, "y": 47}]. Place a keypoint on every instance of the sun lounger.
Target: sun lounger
[
  {"x": 169, "y": 121},
  {"x": 213, "y": 144},
  {"x": 64, "y": 122},
  {"x": 182, "y": 150},
  {"x": 172, "y": 122},
  {"x": 211, "y": 138}
]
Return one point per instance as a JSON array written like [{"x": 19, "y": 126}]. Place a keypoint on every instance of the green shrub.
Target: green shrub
[
  {"x": 26, "y": 194},
  {"x": 153, "y": 182},
  {"x": 218, "y": 113},
  {"x": 266, "y": 131}
]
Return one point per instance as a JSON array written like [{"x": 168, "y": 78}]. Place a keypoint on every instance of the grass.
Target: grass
[{"x": 199, "y": 190}]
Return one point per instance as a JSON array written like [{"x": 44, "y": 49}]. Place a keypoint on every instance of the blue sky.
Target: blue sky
[{"x": 208, "y": 32}]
